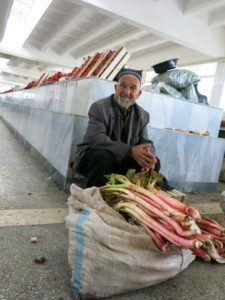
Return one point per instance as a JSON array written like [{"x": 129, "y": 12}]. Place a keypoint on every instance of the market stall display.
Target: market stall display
[
  {"x": 103, "y": 65},
  {"x": 203, "y": 133}
]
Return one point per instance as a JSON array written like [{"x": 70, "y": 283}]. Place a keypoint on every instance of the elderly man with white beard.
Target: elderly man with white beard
[{"x": 116, "y": 138}]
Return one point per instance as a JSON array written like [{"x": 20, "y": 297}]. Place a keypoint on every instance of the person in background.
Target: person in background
[{"x": 116, "y": 138}]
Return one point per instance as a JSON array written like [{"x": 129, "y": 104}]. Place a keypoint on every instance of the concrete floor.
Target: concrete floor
[{"x": 32, "y": 206}]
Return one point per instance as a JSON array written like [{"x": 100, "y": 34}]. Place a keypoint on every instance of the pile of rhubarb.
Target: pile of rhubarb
[{"x": 165, "y": 219}]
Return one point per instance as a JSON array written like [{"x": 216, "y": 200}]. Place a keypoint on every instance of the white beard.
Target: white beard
[{"x": 123, "y": 102}]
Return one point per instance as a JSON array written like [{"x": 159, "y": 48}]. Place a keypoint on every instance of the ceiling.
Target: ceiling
[{"x": 151, "y": 31}]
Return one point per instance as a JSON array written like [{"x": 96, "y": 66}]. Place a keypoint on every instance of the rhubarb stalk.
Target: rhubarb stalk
[
  {"x": 158, "y": 240},
  {"x": 188, "y": 210},
  {"x": 140, "y": 216},
  {"x": 148, "y": 196},
  {"x": 128, "y": 196}
]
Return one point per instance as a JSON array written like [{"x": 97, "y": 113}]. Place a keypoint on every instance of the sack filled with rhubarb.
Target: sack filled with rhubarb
[
  {"x": 109, "y": 255},
  {"x": 167, "y": 220}
]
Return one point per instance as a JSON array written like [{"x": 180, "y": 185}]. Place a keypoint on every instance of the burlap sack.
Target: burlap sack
[{"x": 109, "y": 256}]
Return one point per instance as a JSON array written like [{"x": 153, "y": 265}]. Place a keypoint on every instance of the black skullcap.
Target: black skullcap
[{"x": 124, "y": 71}]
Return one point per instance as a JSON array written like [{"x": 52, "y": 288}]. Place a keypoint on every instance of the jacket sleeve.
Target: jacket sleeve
[{"x": 96, "y": 135}]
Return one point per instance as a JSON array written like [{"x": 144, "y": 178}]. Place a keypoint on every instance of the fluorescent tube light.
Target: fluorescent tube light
[{"x": 23, "y": 18}]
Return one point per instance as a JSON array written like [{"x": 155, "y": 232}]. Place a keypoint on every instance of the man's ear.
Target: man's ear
[
  {"x": 140, "y": 92},
  {"x": 115, "y": 86}
]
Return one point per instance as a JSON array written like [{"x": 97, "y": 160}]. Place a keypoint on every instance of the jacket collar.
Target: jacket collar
[{"x": 134, "y": 119}]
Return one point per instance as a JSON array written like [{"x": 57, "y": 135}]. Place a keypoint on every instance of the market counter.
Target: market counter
[
  {"x": 51, "y": 120},
  {"x": 191, "y": 162}
]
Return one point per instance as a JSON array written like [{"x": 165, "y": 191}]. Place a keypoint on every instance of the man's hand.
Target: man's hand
[{"x": 143, "y": 156}]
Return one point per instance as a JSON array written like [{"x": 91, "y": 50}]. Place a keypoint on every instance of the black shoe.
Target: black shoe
[{"x": 164, "y": 184}]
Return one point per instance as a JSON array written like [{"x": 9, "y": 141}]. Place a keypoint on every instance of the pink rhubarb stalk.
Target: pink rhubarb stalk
[
  {"x": 149, "y": 197},
  {"x": 201, "y": 253},
  {"x": 210, "y": 229},
  {"x": 188, "y": 210},
  {"x": 214, "y": 236},
  {"x": 143, "y": 218},
  {"x": 130, "y": 197},
  {"x": 160, "y": 243},
  {"x": 168, "y": 210},
  {"x": 202, "y": 237},
  {"x": 207, "y": 221},
  {"x": 125, "y": 183}
]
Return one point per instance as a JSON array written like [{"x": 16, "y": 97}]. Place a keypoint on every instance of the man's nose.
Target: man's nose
[{"x": 127, "y": 90}]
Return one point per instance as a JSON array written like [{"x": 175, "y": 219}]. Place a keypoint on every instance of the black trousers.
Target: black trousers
[{"x": 98, "y": 163}]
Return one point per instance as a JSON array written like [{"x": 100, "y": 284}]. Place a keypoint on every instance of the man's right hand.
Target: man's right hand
[{"x": 143, "y": 156}]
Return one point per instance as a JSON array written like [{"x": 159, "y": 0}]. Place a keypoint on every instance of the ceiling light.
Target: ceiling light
[
  {"x": 23, "y": 18},
  {"x": 59, "y": 69}
]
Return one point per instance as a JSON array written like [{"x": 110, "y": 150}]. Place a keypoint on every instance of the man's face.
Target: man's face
[{"x": 127, "y": 90}]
